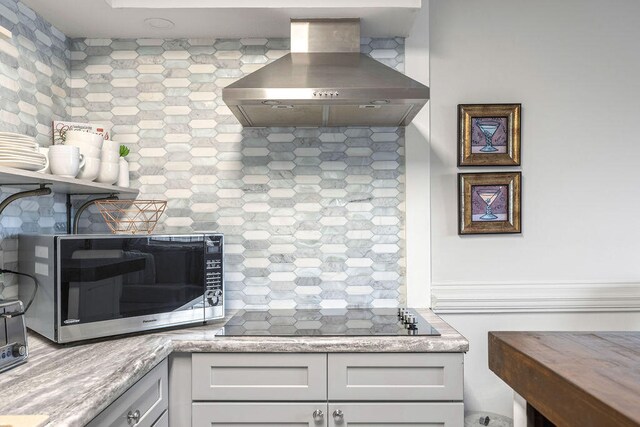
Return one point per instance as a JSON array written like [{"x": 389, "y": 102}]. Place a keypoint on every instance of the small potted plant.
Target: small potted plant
[{"x": 123, "y": 175}]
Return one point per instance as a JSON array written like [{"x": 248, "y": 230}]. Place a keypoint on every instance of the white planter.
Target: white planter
[{"x": 123, "y": 175}]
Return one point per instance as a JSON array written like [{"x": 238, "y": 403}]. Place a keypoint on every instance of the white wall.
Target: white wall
[
  {"x": 418, "y": 183},
  {"x": 483, "y": 390},
  {"x": 574, "y": 65}
]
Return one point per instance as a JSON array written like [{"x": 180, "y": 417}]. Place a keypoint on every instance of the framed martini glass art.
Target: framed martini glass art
[
  {"x": 489, "y": 203},
  {"x": 489, "y": 134}
]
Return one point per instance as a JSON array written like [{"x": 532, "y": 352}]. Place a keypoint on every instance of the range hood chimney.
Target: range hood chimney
[{"x": 325, "y": 81}]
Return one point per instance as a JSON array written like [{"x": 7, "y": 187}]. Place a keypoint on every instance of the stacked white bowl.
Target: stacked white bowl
[
  {"x": 109, "y": 165},
  {"x": 89, "y": 145}
]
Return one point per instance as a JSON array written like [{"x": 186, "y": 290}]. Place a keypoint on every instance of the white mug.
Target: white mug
[
  {"x": 108, "y": 172},
  {"x": 45, "y": 151},
  {"x": 90, "y": 170},
  {"x": 90, "y": 138},
  {"x": 65, "y": 160}
]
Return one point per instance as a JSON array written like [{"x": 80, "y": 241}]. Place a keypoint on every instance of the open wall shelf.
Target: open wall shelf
[{"x": 21, "y": 178}]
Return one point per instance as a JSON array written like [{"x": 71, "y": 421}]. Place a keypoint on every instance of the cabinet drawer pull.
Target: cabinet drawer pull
[
  {"x": 133, "y": 418},
  {"x": 338, "y": 416},
  {"x": 318, "y": 416}
]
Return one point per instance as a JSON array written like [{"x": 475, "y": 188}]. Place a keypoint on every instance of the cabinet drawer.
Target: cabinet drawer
[
  {"x": 396, "y": 376},
  {"x": 396, "y": 414},
  {"x": 258, "y": 414},
  {"x": 149, "y": 396},
  {"x": 259, "y": 376}
]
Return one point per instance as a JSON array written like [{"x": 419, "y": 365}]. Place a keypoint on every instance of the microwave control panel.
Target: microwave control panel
[{"x": 213, "y": 269}]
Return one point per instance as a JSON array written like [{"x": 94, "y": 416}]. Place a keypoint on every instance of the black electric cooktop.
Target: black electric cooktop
[{"x": 328, "y": 322}]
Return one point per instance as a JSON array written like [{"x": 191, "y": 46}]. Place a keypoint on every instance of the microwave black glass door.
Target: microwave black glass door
[{"x": 119, "y": 277}]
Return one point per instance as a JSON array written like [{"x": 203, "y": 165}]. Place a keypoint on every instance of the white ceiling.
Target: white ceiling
[{"x": 219, "y": 18}]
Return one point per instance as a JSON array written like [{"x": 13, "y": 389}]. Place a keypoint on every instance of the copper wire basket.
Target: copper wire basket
[{"x": 131, "y": 216}]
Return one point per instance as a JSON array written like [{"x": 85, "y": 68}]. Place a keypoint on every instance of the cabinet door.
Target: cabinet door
[
  {"x": 141, "y": 405},
  {"x": 396, "y": 415},
  {"x": 259, "y": 414}
]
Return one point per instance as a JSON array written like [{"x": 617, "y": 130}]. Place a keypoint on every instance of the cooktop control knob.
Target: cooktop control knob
[
  {"x": 405, "y": 317},
  {"x": 412, "y": 323},
  {"x": 18, "y": 350}
]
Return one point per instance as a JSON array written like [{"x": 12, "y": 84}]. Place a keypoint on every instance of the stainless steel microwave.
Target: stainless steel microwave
[{"x": 94, "y": 286}]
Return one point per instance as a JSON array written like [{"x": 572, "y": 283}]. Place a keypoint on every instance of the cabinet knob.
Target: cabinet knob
[
  {"x": 338, "y": 416},
  {"x": 133, "y": 418},
  {"x": 318, "y": 416}
]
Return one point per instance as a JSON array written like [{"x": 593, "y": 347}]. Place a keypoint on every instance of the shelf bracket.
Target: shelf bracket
[
  {"x": 42, "y": 191},
  {"x": 69, "y": 206},
  {"x": 84, "y": 207}
]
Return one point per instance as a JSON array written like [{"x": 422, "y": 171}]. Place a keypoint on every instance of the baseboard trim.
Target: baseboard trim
[{"x": 529, "y": 297}]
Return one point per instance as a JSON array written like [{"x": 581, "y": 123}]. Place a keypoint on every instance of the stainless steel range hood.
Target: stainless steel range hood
[{"x": 325, "y": 81}]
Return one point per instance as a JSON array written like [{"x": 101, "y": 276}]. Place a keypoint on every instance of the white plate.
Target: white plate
[
  {"x": 16, "y": 152},
  {"x": 37, "y": 157},
  {"x": 18, "y": 140},
  {"x": 13, "y": 138},
  {"x": 22, "y": 153},
  {"x": 16, "y": 135},
  {"x": 22, "y": 148},
  {"x": 22, "y": 159},
  {"x": 19, "y": 148},
  {"x": 27, "y": 144},
  {"x": 17, "y": 164}
]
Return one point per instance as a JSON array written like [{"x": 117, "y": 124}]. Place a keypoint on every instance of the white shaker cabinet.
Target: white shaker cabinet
[
  {"x": 320, "y": 414},
  {"x": 143, "y": 405},
  {"x": 318, "y": 390}
]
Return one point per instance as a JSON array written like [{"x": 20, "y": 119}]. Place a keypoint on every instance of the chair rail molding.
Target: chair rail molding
[{"x": 531, "y": 297}]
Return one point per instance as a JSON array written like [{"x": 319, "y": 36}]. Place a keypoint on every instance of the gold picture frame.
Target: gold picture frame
[
  {"x": 489, "y": 203},
  {"x": 489, "y": 134}
]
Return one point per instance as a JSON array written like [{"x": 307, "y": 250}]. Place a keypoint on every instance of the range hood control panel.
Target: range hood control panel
[{"x": 322, "y": 93}]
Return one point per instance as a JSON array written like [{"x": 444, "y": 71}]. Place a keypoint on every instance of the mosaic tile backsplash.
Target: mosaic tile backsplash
[
  {"x": 313, "y": 217},
  {"x": 34, "y": 74}
]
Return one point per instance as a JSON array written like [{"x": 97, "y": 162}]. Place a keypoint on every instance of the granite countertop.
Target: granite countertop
[{"x": 74, "y": 383}]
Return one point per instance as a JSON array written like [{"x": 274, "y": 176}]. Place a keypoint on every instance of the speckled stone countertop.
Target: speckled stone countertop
[{"x": 74, "y": 383}]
